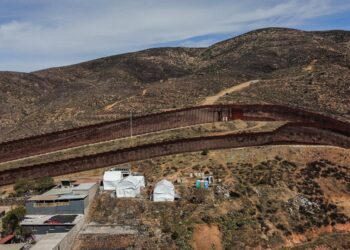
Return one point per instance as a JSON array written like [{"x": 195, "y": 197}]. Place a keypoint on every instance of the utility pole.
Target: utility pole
[{"x": 130, "y": 124}]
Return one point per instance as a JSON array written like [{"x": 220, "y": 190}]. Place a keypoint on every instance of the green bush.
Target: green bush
[{"x": 10, "y": 222}]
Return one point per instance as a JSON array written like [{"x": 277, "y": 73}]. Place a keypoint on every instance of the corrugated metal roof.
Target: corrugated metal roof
[
  {"x": 59, "y": 191},
  {"x": 43, "y": 197},
  {"x": 84, "y": 186},
  {"x": 69, "y": 190},
  {"x": 58, "y": 197},
  {"x": 72, "y": 196},
  {"x": 41, "y": 219}
]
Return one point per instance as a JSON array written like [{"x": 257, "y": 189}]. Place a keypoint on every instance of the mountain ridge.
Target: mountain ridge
[{"x": 306, "y": 69}]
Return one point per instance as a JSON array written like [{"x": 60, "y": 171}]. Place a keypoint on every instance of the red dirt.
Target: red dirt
[{"x": 206, "y": 237}]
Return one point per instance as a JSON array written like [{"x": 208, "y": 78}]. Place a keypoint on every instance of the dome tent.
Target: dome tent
[
  {"x": 129, "y": 187},
  {"x": 164, "y": 191}
]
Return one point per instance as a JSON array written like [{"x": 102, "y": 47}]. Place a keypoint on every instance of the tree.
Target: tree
[
  {"x": 37, "y": 186},
  {"x": 43, "y": 184},
  {"x": 10, "y": 222},
  {"x": 22, "y": 187}
]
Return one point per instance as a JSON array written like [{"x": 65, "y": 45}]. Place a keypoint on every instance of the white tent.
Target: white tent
[
  {"x": 141, "y": 179},
  {"x": 129, "y": 187},
  {"x": 164, "y": 191},
  {"x": 111, "y": 179}
]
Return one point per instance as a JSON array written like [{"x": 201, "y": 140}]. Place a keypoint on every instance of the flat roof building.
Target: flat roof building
[{"x": 62, "y": 200}]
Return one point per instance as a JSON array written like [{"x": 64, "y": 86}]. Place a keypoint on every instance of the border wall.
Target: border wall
[{"x": 161, "y": 121}]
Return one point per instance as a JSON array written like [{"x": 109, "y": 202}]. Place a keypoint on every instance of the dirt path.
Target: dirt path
[
  {"x": 212, "y": 99},
  {"x": 110, "y": 106}
]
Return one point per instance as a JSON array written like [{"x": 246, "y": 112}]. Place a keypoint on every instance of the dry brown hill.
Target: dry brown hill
[{"x": 309, "y": 70}]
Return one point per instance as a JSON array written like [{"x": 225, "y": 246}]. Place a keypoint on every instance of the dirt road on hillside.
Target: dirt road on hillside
[{"x": 212, "y": 99}]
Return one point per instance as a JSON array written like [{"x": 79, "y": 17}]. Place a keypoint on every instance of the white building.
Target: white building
[
  {"x": 115, "y": 175},
  {"x": 130, "y": 186},
  {"x": 164, "y": 191}
]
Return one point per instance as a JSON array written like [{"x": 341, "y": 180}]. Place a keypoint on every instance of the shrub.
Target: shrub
[
  {"x": 348, "y": 187},
  {"x": 175, "y": 235},
  {"x": 199, "y": 196},
  {"x": 43, "y": 184},
  {"x": 22, "y": 187},
  {"x": 37, "y": 186},
  {"x": 205, "y": 151}
]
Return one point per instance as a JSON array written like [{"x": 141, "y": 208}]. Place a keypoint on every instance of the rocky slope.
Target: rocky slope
[{"x": 310, "y": 70}]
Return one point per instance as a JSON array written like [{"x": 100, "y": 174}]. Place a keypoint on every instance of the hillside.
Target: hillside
[
  {"x": 310, "y": 70},
  {"x": 270, "y": 197}
]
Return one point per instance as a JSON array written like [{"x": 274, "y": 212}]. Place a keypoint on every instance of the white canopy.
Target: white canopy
[
  {"x": 129, "y": 187},
  {"x": 164, "y": 191},
  {"x": 111, "y": 179}
]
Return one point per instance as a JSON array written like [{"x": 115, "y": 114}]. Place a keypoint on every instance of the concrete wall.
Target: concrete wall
[
  {"x": 68, "y": 241},
  {"x": 74, "y": 207},
  {"x": 91, "y": 196}
]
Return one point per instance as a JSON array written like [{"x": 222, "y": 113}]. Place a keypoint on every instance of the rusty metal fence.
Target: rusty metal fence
[
  {"x": 292, "y": 133},
  {"x": 161, "y": 121}
]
